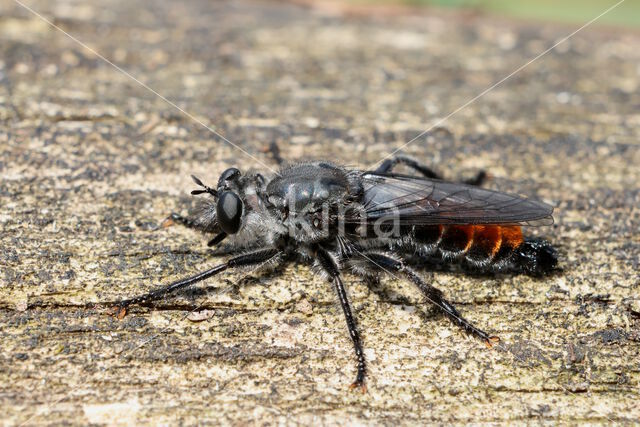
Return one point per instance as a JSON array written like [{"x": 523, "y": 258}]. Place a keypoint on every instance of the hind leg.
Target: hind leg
[
  {"x": 392, "y": 265},
  {"x": 388, "y": 165}
]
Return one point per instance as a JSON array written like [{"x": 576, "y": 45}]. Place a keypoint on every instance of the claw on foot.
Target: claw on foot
[
  {"x": 119, "y": 312},
  {"x": 359, "y": 385},
  {"x": 491, "y": 341},
  {"x": 168, "y": 222}
]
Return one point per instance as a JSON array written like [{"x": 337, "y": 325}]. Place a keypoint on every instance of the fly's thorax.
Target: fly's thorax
[
  {"x": 308, "y": 183},
  {"x": 308, "y": 198}
]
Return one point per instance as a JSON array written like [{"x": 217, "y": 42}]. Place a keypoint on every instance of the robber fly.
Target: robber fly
[{"x": 368, "y": 222}]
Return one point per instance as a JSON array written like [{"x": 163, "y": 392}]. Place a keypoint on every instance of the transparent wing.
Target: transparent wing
[{"x": 424, "y": 201}]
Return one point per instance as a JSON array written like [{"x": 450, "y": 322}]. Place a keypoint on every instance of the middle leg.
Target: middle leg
[{"x": 329, "y": 266}]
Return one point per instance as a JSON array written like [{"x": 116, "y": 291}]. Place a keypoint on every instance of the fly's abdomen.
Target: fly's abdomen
[
  {"x": 493, "y": 246},
  {"x": 490, "y": 242},
  {"x": 480, "y": 245},
  {"x": 487, "y": 247}
]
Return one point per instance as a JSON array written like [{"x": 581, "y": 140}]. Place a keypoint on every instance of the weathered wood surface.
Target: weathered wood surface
[{"x": 92, "y": 162}]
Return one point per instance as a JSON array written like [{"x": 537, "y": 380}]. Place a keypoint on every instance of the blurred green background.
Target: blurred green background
[{"x": 578, "y": 11}]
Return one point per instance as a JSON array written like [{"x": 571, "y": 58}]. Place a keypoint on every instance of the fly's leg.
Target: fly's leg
[
  {"x": 330, "y": 267},
  {"x": 477, "y": 180},
  {"x": 433, "y": 294},
  {"x": 435, "y": 297},
  {"x": 175, "y": 218},
  {"x": 245, "y": 260},
  {"x": 274, "y": 150},
  {"x": 353, "y": 333},
  {"x": 388, "y": 165}
]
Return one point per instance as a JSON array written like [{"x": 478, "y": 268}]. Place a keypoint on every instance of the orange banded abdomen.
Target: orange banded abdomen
[{"x": 479, "y": 244}]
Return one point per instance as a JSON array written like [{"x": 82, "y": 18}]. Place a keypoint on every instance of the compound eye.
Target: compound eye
[
  {"x": 229, "y": 212},
  {"x": 228, "y": 175}
]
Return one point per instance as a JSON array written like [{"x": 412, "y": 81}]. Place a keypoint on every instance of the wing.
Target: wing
[{"x": 423, "y": 201}]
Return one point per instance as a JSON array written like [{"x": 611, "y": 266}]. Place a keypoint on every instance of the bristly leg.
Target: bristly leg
[
  {"x": 331, "y": 269},
  {"x": 387, "y": 167},
  {"x": 245, "y": 260},
  {"x": 175, "y": 218},
  {"x": 217, "y": 239},
  {"x": 274, "y": 150},
  {"x": 353, "y": 333},
  {"x": 433, "y": 294},
  {"x": 477, "y": 180}
]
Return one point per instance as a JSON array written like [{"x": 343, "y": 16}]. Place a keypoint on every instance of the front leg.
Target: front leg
[
  {"x": 330, "y": 267},
  {"x": 245, "y": 260}
]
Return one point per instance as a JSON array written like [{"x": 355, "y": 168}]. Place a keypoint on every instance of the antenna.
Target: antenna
[{"x": 207, "y": 189}]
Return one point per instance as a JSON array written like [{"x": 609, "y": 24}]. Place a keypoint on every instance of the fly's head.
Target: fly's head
[
  {"x": 229, "y": 207},
  {"x": 226, "y": 212}
]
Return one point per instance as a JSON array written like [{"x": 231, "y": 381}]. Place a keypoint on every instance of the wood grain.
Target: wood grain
[{"x": 91, "y": 164}]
